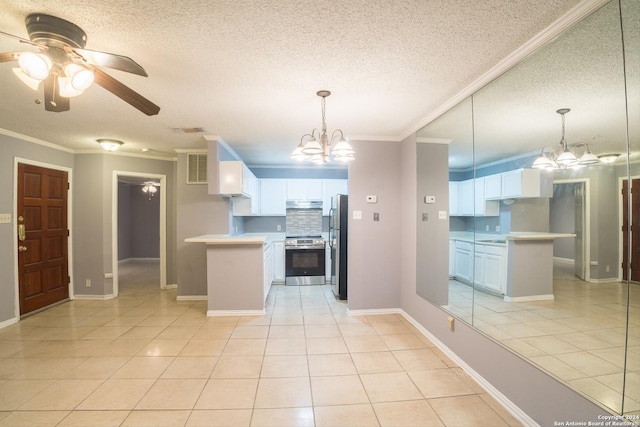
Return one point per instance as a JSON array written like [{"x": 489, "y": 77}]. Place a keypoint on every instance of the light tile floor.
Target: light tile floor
[
  {"x": 145, "y": 359},
  {"x": 578, "y": 337}
]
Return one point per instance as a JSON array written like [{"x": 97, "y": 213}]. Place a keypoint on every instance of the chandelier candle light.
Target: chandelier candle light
[
  {"x": 565, "y": 156},
  {"x": 318, "y": 148}
]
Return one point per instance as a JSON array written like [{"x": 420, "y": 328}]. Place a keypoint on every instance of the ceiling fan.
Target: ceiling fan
[{"x": 67, "y": 68}]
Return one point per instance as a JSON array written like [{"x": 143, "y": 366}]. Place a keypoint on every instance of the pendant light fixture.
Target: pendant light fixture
[
  {"x": 564, "y": 156},
  {"x": 318, "y": 146}
]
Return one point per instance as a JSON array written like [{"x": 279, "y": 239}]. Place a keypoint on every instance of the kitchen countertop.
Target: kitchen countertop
[
  {"x": 242, "y": 239},
  {"x": 501, "y": 239}
]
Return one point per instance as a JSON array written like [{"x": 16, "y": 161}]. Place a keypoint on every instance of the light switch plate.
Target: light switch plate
[
  {"x": 5, "y": 218},
  {"x": 357, "y": 214}
]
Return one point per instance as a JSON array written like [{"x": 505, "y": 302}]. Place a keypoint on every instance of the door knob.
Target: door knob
[{"x": 22, "y": 248}]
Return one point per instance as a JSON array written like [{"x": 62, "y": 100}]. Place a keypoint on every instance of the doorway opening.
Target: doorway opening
[
  {"x": 138, "y": 231},
  {"x": 570, "y": 213}
]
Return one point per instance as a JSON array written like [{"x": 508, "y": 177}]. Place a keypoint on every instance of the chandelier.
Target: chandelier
[
  {"x": 318, "y": 147},
  {"x": 565, "y": 156}
]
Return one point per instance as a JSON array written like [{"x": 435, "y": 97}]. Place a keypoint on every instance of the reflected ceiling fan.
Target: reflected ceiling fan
[{"x": 66, "y": 68}]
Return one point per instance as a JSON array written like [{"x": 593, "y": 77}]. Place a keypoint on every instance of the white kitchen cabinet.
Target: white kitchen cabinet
[
  {"x": 452, "y": 258},
  {"x": 235, "y": 179},
  {"x": 304, "y": 189},
  {"x": 278, "y": 261},
  {"x": 495, "y": 275},
  {"x": 493, "y": 187},
  {"x": 268, "y": 268},
  {"x": 331, "y": 187},
  {"x": 482, "y": 206},
  {"x": 273, "y": 197},
  {"x": 465, "y": 198},
  {"x": 489, "y": 268},
  {"x": 463, "y": 261},
  {"x": 453, "y": 198},
  {"x": 521, "y": 183}
]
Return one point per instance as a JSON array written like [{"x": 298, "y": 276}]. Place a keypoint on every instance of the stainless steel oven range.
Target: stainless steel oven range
[{"x": 304, "y": 260}]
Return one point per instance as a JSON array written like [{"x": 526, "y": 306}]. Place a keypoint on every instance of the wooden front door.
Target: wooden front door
[
  {"x": 634, "y": 223},
  {"x": 42, "y": 237}
]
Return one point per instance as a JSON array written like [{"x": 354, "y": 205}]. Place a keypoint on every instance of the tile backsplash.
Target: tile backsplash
[{"x": 303, "y": 222}]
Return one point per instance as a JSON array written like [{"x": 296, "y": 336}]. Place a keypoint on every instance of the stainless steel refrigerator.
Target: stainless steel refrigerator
[{"x": 338, "y": 240}]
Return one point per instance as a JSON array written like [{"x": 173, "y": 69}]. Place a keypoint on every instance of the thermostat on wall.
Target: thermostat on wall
[{"x": 372, "y": 199}]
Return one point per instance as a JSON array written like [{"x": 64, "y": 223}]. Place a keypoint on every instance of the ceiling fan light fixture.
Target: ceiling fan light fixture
[
  {"x": 312, "y": 147},
  {"x": 29, "y": 81},
  {"x": 66, "y": 88},
  {"x": 297, "y": 153},
  {"x": 80, "y": 78},
  {"x": 567, "y": 158},
  {"x": 110, "y": 144},
  {"x": 35, "y": 65}
]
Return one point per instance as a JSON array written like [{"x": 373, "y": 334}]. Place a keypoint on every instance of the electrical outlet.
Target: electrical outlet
[
  {"x": 279, "y": 227},
  {"x": 5, "y": 218},
  {"x": 486, "y": 228},
  {"x": 87, "y": 283},
  {"x": 497, "y": 228}
]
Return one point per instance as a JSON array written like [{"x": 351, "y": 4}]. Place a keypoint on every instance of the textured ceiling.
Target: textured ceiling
[{"x": 248, "y": 71}]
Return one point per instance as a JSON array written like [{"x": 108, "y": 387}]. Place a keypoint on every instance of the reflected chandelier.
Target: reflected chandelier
[
  {"x": 318, "y": 148},
  {"x": 150, "y": 188},
  {"x": 564, "y": 156}
]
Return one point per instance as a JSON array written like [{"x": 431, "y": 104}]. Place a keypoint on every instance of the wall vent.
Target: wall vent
[
  {"x": 196, "y": 168},
  {"x": 188, "y": 130}
]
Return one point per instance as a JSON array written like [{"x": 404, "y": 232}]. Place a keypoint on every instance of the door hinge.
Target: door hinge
[
  {"x": 68, "y": 279},
  {"x": 68, "y": 186},
  {"x": 67, "y": 233}
]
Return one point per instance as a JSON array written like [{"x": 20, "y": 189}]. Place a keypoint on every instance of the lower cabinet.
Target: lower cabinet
[
  {"x": 278, "y": 261},
  {"x": 484, "y": 266},
  {"x": 463, "y": 261},
  {"x": 268, "y": 268}
]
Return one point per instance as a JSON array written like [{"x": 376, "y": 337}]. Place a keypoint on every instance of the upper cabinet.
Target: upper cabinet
[
  {"x": 304, "y": 189},
  {"x": 523, "y": 183},
  {"x": 235, "y": 179},
  {"x": 330, "y": 188},
  {"x": 273, "y": 197}
]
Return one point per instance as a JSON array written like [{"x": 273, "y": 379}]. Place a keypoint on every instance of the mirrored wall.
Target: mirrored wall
[{"x": 544, "y": 259}]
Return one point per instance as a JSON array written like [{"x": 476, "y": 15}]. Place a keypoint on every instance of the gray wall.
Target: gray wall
[
  {"x": 124, "y": 221},
  {"x": 93, "y": 178},
  {"x": 530, "y": 389},
  {"x": 374, "y": 247},
  {"x": 198, "y": 213},
  {"x": 562, "y": 219},
  {"x": 10, "y": 148},
  {"x": 432, "y": 180}
]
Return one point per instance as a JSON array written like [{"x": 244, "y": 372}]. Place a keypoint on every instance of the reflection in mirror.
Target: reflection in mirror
[{"x": 539, "y": 259}]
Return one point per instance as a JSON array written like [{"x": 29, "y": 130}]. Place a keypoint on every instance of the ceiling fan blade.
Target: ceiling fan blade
[
  {"x": 52, "y": 99},
  {"x": 125, "y": 93},
  {"x": 9, "y": 56},
  {"x": 20, "y": 39},
  {"x": 110, "y": 60}
]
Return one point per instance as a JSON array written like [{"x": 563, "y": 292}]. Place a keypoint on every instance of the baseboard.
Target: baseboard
[
  {"x": 94, "y": 297},
  {"x": 529, "y": 298},
  {"x": 501, "y": 398},
  {"x": 191, "y": 297},
  {"x": 374, "y": 311},
  {"x": 8, "y": 322},
  {"x": 172, "y": 286},
  {"x": 126, "y": 260},
  {"x": 567, "y": 261},
  {"x": 215, "y": 313}
]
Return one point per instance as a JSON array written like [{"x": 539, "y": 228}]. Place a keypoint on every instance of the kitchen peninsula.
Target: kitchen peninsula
[
  {"x": 518, "y": 265},
  {"x": 239, "y": 271}
]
